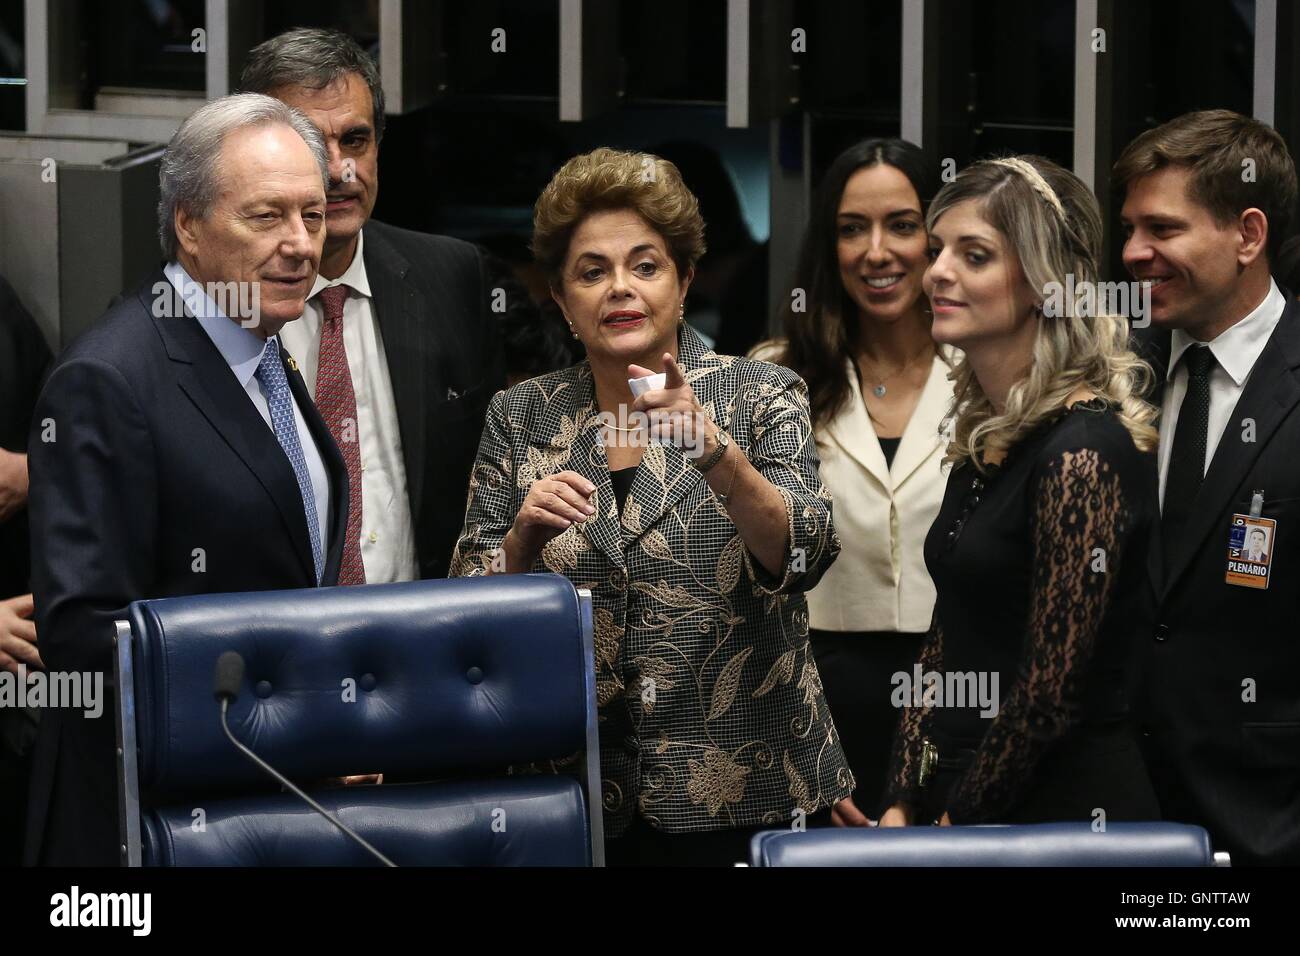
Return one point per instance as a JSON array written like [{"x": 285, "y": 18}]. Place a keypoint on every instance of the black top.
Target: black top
[
  {"x": 1040, "y": 572},
  {"x": 890, "y": 447},
  {"x": 622, "y": 481}
]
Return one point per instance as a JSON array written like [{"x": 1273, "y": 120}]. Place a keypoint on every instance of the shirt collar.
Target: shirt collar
[
  {"x": 1236, "y": 348},
  {"x": 241, "y": 349},
  {"x": 354, "y": 277}
]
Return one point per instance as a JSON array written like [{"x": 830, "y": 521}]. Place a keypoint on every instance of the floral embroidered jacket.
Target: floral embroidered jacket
[{"x": 711, "y": 708}]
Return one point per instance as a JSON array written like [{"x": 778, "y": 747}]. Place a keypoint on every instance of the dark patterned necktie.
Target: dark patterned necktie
[
  {"x": 1187, "y": 457},
  {"x": 337, "y": 402}
]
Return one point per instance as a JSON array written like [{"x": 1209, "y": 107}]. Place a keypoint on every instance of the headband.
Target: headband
[{"x": 1036, "y": 180}]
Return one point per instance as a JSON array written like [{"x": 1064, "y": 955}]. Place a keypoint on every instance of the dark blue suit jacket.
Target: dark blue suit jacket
[
  {"x": 443, "y": 346},
  {"x": 152, "y": 475}
]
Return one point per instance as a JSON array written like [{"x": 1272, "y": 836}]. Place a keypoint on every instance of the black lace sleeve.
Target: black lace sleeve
[
  {"x": 905, "y": 759},
  {"x": 1078, "y": 525}
]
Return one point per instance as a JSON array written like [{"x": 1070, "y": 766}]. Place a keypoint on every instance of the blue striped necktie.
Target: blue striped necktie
[{"x": 279, "y": 400}]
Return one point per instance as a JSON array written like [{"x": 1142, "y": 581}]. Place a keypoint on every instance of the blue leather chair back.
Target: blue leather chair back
[
  {"x": 430, "y": 679},
  {"x": 1039, "y": 844}
]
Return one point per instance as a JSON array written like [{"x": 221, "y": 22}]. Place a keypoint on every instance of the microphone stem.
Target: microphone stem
[{"x": 284, "y": 781}]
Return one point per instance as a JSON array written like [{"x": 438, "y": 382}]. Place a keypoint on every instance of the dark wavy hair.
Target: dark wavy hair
[{"x": 818, "y": 340}]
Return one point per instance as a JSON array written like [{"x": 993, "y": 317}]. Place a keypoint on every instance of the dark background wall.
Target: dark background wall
[{"x": 471, "y": 163}]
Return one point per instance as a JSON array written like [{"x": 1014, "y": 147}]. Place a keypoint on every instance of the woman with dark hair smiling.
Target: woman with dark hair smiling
[{"x": 879, "y": 391}]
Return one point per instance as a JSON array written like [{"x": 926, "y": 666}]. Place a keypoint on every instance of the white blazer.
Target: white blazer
[{"x": 882, "y": 513}]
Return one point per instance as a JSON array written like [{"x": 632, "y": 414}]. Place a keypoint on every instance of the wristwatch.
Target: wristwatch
[{"x": 705, "y": 464}]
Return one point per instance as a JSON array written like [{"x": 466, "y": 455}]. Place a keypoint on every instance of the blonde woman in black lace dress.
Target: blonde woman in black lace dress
[{"x": 1039, "y": 551}]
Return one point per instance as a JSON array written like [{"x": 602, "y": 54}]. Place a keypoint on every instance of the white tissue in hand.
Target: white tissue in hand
[{"x": 647, "y": 383}]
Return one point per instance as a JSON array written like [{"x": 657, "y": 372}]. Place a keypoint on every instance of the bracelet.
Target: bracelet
[
  {"x": 723, "y": 441},
  {"x": 735, "y": 464}
]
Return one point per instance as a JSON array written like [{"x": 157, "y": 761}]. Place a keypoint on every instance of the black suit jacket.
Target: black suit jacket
[
  {"x": 24, "y": 360},
  {"x": 152, "y": 475},
  {"x": 443, "y": 347},
  {"x": 1220, "y": 695}
]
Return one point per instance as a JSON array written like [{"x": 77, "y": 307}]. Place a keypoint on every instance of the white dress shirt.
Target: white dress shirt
[
  {"x": 242, "y": 351},
  {"x": 387, "y": 532},
  {"x": 1235, "y": 351}
]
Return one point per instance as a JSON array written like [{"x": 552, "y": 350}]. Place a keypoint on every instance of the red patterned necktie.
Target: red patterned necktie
[{"x": 337, "y": 403}]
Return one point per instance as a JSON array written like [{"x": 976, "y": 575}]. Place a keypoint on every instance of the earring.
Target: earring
[
  {"x": 681, "y": 313},
  {"x": 573, "y": 330}
]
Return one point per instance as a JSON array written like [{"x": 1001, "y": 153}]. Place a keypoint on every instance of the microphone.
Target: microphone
[
  {"x": 230, "y": 674},
  {"x": 227, "y": 678}
]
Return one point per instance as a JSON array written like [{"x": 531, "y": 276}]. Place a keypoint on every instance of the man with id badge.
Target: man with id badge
[{"x": 1207, "y": 198}]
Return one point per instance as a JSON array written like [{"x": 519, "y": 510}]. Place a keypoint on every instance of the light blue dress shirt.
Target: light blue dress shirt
[{"x": 242, "y": 351}]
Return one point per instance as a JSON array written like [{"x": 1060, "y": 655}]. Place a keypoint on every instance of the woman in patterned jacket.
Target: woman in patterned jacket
[{"x": 693, "y": 512}]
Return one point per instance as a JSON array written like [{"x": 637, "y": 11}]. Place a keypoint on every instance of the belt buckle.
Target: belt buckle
[{"x": 929, "y": 760}]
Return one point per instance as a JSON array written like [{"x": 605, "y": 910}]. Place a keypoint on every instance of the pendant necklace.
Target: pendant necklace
[{"x": 879, "y": 388}]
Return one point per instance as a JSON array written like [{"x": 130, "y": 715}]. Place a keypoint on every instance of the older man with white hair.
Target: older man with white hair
[{"x": 175, "y": 449}]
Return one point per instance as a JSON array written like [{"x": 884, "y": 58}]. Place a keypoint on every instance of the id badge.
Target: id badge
[{"x": 1250, "y": 551}]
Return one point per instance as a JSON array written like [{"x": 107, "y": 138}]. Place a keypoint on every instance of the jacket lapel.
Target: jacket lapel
[
  {"x": 922, "y": 435},
  {"x": 1153, "y": 345},
  {"x": 206, "y": 380},
  {"x": 663, "y": 478},
  {"x": 853, "y": 431},
  {"x": 666, "y": 475},
  {"x": 559, "y": 442},
  {"x": 398, "y": 306},
  {"x": 1270, "y": 393}
]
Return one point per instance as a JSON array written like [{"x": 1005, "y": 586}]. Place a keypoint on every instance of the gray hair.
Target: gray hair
[
  {"x": 312, "y": 58},
  {"x": 187, "y": 175}
]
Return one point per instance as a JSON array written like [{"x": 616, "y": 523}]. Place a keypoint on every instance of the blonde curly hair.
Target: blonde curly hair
[
  {"x": 607, "y": 178},
  {"x": 1051, "y": 223}
]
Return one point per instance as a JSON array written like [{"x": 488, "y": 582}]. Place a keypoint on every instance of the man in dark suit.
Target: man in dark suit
[
  {"x": 24, "y": 360},
  {"x": 174, "y": 449},
  {"x": 1207, "y": 201},
  {"x": 397, "y": 343}
]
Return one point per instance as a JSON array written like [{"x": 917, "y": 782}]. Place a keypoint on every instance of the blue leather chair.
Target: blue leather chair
[
  {"x": 449, "y": 681},
  {"x": 1038, "y": 844}
]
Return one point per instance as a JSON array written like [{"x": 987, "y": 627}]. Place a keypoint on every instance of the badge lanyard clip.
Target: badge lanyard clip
[{"x": 1257, "y": 504}]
